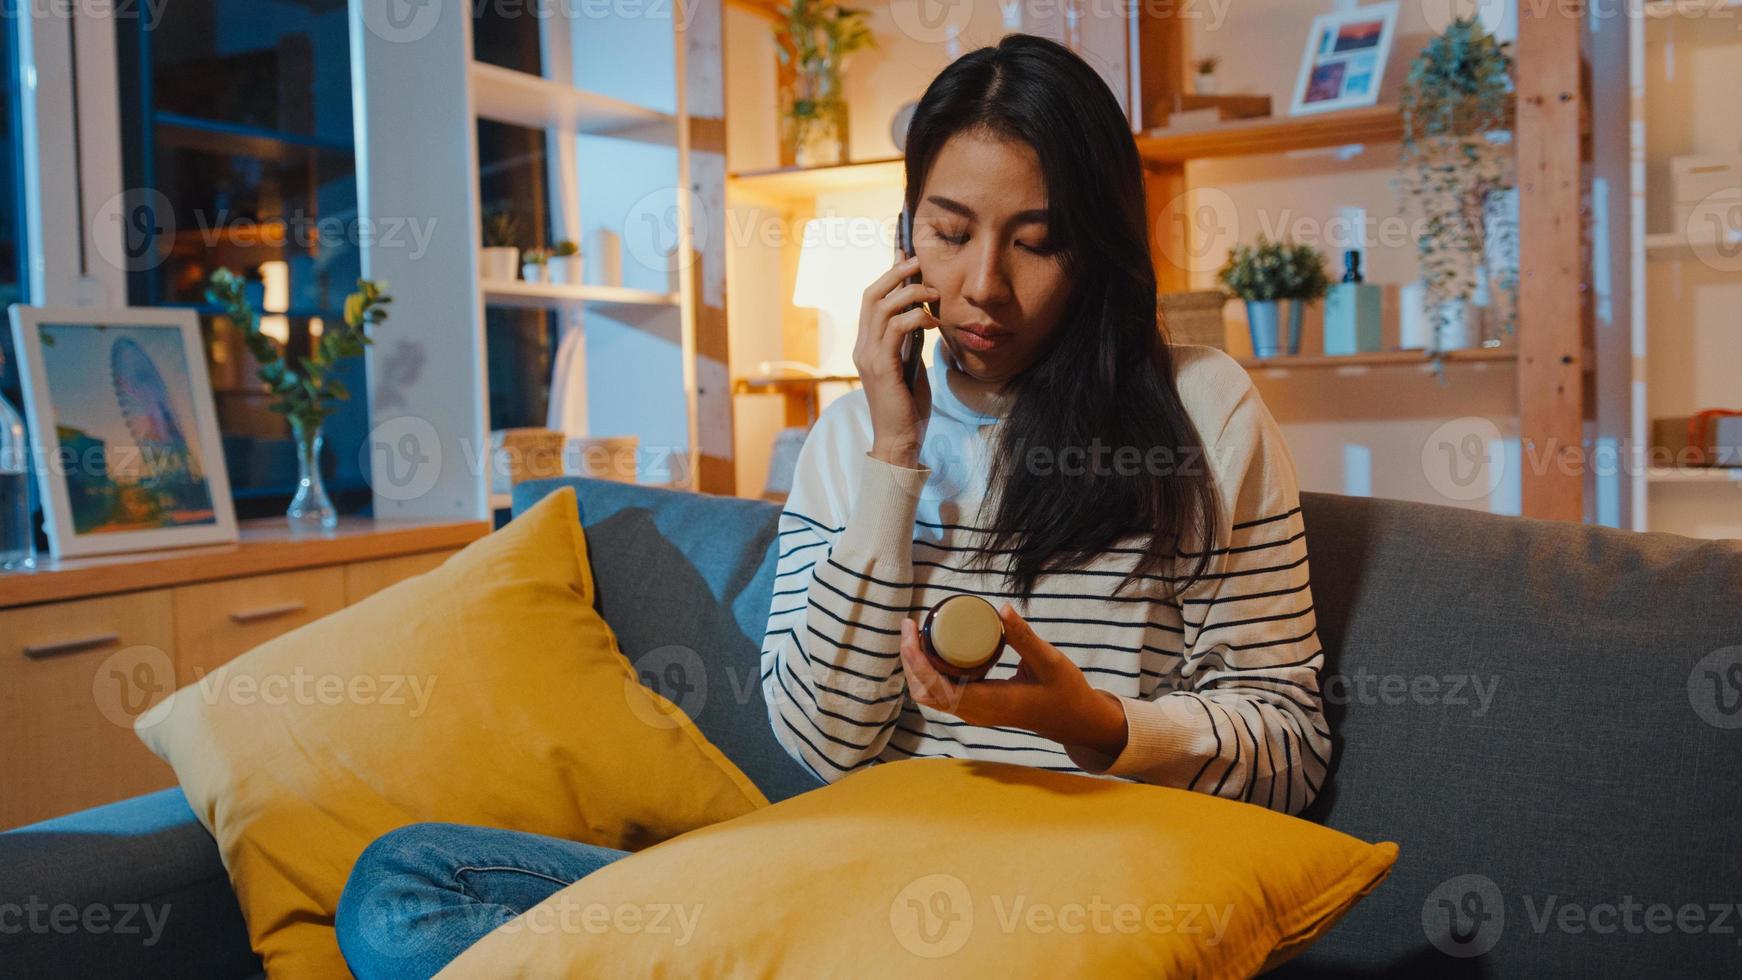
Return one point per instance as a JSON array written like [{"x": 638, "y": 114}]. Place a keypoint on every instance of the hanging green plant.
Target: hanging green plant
[{"x": 1455, "y": 165}]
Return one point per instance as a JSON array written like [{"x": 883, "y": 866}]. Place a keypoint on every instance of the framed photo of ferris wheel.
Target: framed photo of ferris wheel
[{"x": 123, "y": 430}]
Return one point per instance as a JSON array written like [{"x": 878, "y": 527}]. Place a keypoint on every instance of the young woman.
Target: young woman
[
  {"x": 1059, "y": 458},
  {"x": 1132, "y": 506}
]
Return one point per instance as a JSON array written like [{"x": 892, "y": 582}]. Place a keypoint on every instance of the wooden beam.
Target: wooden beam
[
  {"x": 1161, "y": 63},
  {"x": 1551, "y": 375},
  {"x": 1160, "y": 77},
  {"x": 766, "y": 9},
  {"x": 704, "y": 152}
]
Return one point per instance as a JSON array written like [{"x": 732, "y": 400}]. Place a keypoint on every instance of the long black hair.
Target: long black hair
[{"x": 1107, "y": 375}]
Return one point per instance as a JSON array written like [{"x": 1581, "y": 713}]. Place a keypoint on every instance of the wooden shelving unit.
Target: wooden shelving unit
[
  {"x": 1680, "y": 347},
  {"x": 543, "y": 295},
  {"x": 792, "y": 185},
  {"x": 1551, "y": 127},
  {"x": 1275, "y": 134},
  {"x": 535, "y": 102},
  {"x": 1389, "y": 358}
]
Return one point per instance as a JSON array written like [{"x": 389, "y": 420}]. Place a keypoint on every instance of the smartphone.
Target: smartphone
[{"x": 915, "y": 342}]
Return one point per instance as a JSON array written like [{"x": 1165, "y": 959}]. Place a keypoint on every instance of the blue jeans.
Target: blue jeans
[{"x": 420, "y": 895}]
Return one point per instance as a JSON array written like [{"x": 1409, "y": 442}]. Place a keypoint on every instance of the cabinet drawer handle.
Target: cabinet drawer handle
[
  {"x": 40, "y": 650},
  {"x": 267, "y": 612}
]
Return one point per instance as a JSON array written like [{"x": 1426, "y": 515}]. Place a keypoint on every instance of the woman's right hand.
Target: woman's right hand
[{"x": 898, "y": 416}]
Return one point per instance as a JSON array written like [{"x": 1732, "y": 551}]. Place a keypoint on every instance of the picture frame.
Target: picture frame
[
  {"x": 1344, "y": 61},
  {"x": 124, "y": 429}
]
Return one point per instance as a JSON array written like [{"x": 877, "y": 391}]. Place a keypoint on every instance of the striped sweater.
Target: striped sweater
[{"x": 1219, "y": 685}]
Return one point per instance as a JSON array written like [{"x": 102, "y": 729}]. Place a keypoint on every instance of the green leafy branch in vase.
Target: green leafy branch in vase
[
  {"x": 303, "y": 388},
  {"x": 813, "y": 41}
]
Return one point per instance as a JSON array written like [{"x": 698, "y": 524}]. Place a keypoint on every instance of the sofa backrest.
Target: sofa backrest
[{"x": 1546, "y": 717}]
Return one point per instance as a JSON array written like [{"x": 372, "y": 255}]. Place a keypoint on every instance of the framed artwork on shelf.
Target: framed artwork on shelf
[
  {"x": 1345, "y": 59},
  {"x": 127, "y": 452}
]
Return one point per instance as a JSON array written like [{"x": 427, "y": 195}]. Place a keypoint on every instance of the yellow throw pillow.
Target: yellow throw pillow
[
  {"x": 953, "y": 868},
  {"x": 487, "y": 691}
]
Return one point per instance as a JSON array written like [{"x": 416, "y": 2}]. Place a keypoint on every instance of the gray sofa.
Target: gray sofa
[{"x": 1544, "y": 716}]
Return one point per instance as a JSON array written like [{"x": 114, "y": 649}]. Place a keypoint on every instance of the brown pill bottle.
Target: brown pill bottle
[{"x": 962, "y": 636}]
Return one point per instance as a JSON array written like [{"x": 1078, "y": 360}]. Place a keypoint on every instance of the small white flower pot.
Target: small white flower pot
[
  {"x": 532, "y": 272},
  {"x": 498, "y": 262},
  {"x": 565, "y": 269}
]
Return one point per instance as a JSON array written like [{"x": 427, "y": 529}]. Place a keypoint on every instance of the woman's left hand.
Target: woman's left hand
[{"x": 1048, "y": 694}]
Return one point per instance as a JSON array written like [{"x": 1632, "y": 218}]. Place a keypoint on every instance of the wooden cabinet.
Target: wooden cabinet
[
  {"x": 73, "y": 676},
  {"x": 88, "y": 644},
  {"x": 215, "y": 621},
  {"x": 365, "y": 578}
]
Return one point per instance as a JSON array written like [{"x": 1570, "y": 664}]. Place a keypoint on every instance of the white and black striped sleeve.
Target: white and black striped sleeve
[
  {"x": 1246, "y": 719},
  {"x": 831, "y": 663}
]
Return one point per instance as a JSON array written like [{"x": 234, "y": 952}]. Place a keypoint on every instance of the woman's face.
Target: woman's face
[{"x": 981, "y": 236}]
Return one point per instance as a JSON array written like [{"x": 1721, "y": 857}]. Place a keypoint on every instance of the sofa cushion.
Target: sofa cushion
[
  {"x": 487, "y": 691},
  {"x": 953, "y": 868},
  {"x": 143, "y": 881},
  {"x": 685, "y": 580},
  {"x": 1527, "y": 708}
]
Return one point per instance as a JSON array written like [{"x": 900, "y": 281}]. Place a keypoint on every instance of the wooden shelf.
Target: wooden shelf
[
  {"x": 267, "y": 545},
  {"x": 1276, "y": 134},
  {"x": 1388, "y": 358},
  {"x": 796, "y": 184},
  {"x": 1695, "y": 474},
  {"x": 757, "y": 386},
  {"x": 1685, "y": 9},
  {"x": 524, "y": 99},
  {"x": 1677, "y": 247},
  {"x": 544, "y": 295}
]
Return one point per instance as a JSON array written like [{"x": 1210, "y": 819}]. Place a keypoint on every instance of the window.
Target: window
[
  {"x": 238, "y": 112},
  {"x": 513, "y": 180},
  {"x": 11, "y": 200},
  {"x": 519, "y": 343}
]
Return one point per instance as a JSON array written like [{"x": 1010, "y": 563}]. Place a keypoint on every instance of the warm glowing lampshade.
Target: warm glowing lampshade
[{"x": 839, "y": 258}]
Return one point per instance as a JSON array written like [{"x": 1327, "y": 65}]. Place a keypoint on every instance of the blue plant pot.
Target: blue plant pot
[{"x": 1265, "y": 319}]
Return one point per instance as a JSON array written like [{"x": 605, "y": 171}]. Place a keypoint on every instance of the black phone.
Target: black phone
[{"x": 911, "y": 347}]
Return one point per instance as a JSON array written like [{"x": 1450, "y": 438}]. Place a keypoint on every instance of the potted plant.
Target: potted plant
[
  {"x": 1204, "y": 81},
  {"x": 302, "y": 386},
  {"x": 815, "y": 39},
  {"x": 564, "y": 264},
  {"x": 1266, "y": 276},
  {"x": 1454, "y": 175},
  {"x": 532, "y": 264},
  {"x": 499, "y": 256}
]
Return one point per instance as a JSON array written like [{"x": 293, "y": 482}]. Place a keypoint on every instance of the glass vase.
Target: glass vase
[
  {"x": 311, "y": 509},
  {"x": 813, "y": 119}
]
